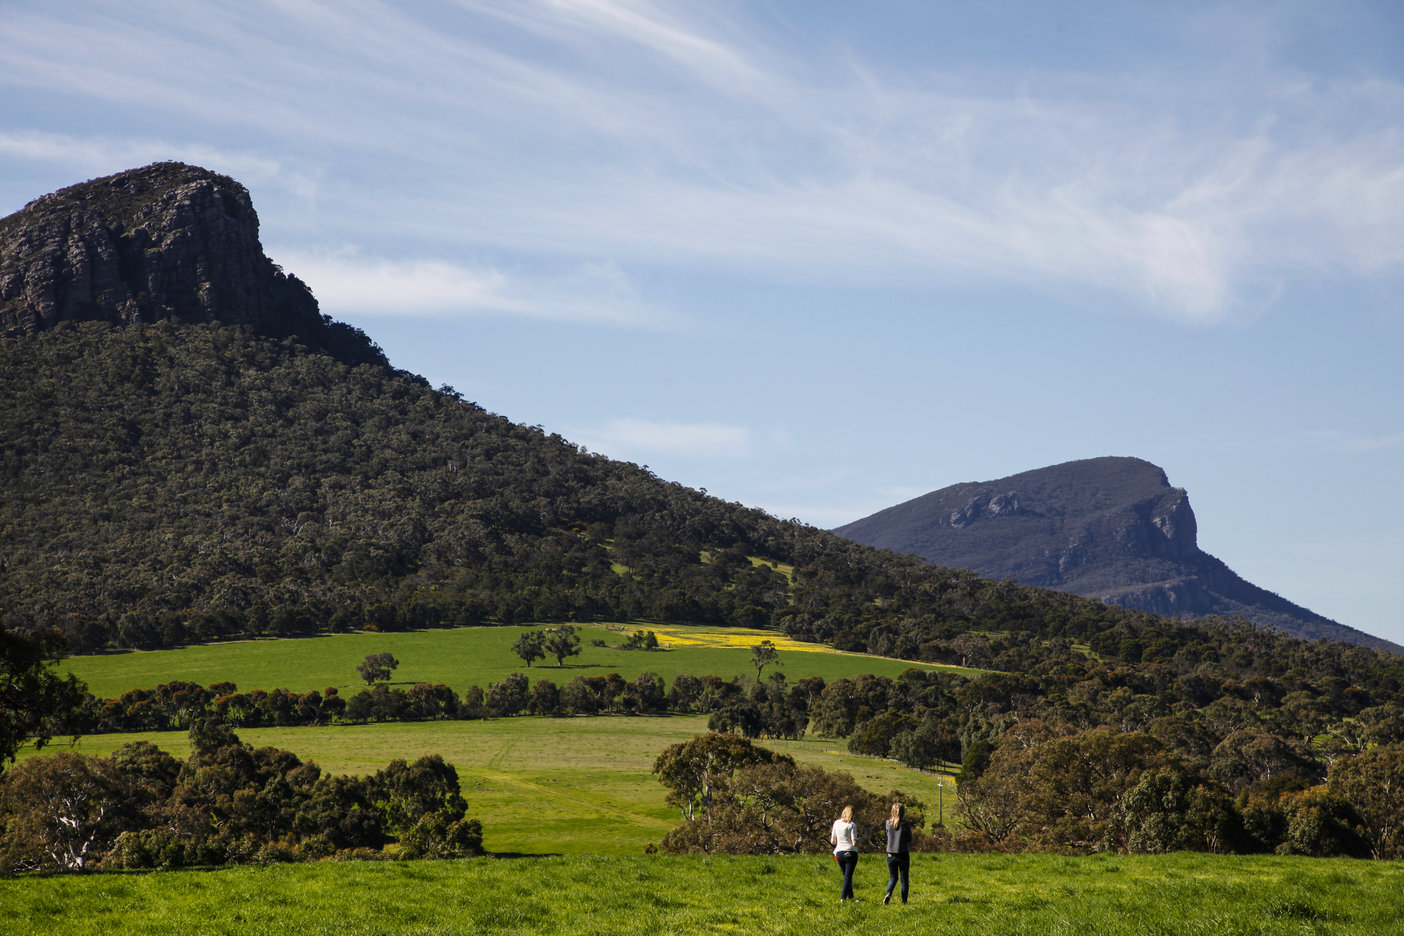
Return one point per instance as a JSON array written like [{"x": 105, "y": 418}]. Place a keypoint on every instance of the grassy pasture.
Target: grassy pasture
[
  {"x": 573, "y": 786},
  {"x": 952, "y": 895},
  {"x": 464, "y": 657}
]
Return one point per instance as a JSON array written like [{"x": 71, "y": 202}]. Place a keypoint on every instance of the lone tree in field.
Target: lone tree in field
[
  {"x": 376, "y": 667},
  {"x": 694, "y": 769},
  {"x": 562, "y": 642},
  {"x": 762, "y": 655},
  {"x": 640, "y": 640},
  {"x": 530, "y": 646}
]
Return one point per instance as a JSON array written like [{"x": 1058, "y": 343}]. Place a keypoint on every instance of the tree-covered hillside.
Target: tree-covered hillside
[
  {"x": 173, "y": 482},
  {"x": 176, "y": 482}
]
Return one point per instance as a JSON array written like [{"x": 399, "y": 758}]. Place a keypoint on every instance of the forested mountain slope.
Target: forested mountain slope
[
  {"x": 1112, "y": 529},
  {"x": 171, "y": 482}
]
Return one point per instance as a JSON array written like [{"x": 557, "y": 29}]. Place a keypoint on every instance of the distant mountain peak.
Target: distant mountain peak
[
  {"x": 168, "y": 240},
  {"x": 1109, "y": 528}
]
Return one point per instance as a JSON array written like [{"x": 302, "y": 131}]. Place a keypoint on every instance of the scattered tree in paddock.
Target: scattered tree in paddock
[
  {"x": 530, "y": 646},
  {"x": 562, "y": 642},
  {"x": 377, "y": 667},
  {"x": 764, "y": 654}
]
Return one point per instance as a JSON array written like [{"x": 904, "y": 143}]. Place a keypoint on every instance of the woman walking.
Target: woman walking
[
  {"x": 899, "y": 850},
  {"x": 845, "y": 841}
]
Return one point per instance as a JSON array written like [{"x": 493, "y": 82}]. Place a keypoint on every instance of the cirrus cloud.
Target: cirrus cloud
[{"x": 347, "y": 282}]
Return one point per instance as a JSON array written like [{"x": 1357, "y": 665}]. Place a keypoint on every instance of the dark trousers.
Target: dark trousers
[
  {"x": 898, "y": 865},
  {"x": 847, "y": 861}
]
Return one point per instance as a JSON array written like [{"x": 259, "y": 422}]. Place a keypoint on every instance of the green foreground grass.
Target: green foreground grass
[
  {"x": 571, "y": 786},
  {"x": 463, "y": 657},
  {"x": 992, "y": 895}
]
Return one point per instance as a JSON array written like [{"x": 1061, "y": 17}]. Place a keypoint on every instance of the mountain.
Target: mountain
[
  {"x": 168, "y": 241},
  {"x": 1112, "y": 529},
  {"x": 190, "y": 451}
]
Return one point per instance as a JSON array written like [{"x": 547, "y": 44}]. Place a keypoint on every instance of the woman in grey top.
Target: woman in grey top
[{"x": 899, "y": 855}]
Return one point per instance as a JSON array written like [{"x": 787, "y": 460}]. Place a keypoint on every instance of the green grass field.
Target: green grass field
[
  {"x": 462, "y": 657},
  {"x": 952, "y": 895},
  {"x": 574, "y": 786},
  {"x": 568, "y": 805}
]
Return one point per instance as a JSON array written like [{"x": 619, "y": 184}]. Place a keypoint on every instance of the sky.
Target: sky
[{"x": 821, "y": 257}]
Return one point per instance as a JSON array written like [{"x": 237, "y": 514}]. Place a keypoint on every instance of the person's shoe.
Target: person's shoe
[{"x": 887, "y": 899}]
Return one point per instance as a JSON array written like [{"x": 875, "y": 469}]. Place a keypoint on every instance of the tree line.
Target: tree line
[
  {"x": 227, "y": 803},
  {"x": 1072, "y": 756},
  {"x": 752, "y": 708}
]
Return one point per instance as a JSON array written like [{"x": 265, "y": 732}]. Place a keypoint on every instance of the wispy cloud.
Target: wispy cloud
[
  {"x": 346, "y": 282},
  {"x": 660, "y": 29},
  {"x": 676, "y": 135},
  {"x": 98, "y": 155}
]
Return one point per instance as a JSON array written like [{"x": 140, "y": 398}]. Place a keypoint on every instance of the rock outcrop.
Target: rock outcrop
[
  {"x": 165, "y": 241},
  {"x": 1107, "y": 528}
]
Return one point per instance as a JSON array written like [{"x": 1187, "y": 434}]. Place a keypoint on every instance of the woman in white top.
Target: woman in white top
[{"x": 845, "y": 841}]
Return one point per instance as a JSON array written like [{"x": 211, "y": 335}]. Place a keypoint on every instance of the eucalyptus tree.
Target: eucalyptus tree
[
  {"x": 376, "y": 667},
  {"x": 562, "y": 642}
]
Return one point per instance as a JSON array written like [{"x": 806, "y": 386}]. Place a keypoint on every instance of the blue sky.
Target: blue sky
[{"x": 823, "y": 257}]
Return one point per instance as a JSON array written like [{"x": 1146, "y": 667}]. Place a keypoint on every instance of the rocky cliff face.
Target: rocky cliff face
[
  {"x": 1107, "y": 528},
  {"x": 165, "y": 241}
]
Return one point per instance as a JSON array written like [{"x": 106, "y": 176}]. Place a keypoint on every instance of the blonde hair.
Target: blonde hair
[
  {"x": 898, "y": 811},
  {"x": 847, "y": 814}
]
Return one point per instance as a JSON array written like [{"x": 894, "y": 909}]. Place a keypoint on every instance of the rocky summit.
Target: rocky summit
[
  {"x": 1106, "y": 528},
  {"x": 167, "y": 241}
]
